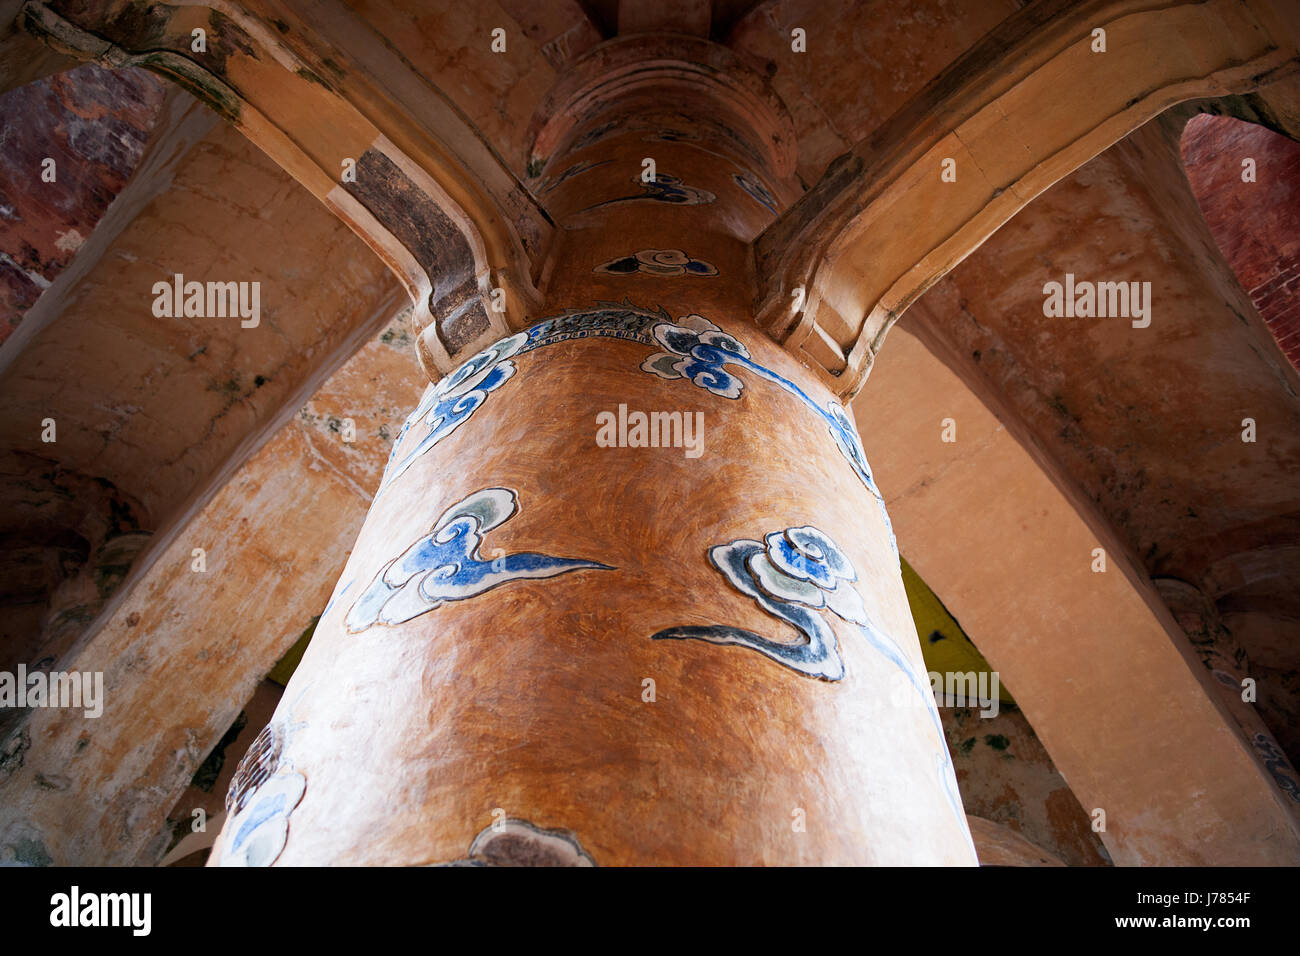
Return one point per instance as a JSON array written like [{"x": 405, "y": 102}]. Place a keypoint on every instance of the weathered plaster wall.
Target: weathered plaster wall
[
  {"x": 183, "y": 650},
  {"x": 1006, "y": 776},
  {"x": 863, "y": 62},
  {"x": 94, "y": 124},
  {"x": 1096, "y": 662},
  {"x": 165, "y": 406},
  {"x": 1147, "y": 421}
]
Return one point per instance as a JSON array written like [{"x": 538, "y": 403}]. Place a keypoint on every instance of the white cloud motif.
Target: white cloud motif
[
  {"x": 445, "y": 564},
  {"x": 258, "y": 832},
  {"x": 447, "y": 404}
]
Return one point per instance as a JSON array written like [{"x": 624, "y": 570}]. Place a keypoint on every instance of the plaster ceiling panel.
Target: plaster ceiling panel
[
  {"x": 864, "y": 60},
  {"x": 452, "y": 47},
  {"x": 161, "y": 402}
]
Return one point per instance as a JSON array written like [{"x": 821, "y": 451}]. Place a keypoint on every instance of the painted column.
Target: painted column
[{"x": 628, "y": 593}]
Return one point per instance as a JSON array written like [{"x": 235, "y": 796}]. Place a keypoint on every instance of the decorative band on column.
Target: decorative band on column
[{"x": 694, "y": 348}]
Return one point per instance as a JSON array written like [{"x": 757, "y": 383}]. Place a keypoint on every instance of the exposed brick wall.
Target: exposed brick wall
[
  {"x": 1278, "y": 301},
  {"x": 1257, "y": 225}
]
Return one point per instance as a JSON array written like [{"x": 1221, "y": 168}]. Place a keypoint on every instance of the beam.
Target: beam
[
  {"x": 182, "y": 650},
  {"x": 1021, "y": 110},
  {"x": 165, "y": 410},
  {"x": 312, "y": 85},
  {"x": 23, "y": 58},
  {"x": 1097, "y": 663}
]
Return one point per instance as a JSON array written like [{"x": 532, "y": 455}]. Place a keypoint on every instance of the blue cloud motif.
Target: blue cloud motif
[
  {"x": 757, "y": 191},
  {"x": 791, "y": 574},
  {"x": 693, "y": 348},
  {"x": 576, "y": 169},
  {"x": 670, "y": 189},
  {"x": 662, "y": 263},
  {"x": 447, "y": 404},
  {"x": 445, "y": 564},
  {"x": 515, "y": 842},
  {"x": 663, "y": 188},
  {"x": 697, "y": 350},
  {"x": 850, "y": 445}
]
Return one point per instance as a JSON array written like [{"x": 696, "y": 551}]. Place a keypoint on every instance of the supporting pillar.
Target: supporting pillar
[{"x": 628, "y": 592}]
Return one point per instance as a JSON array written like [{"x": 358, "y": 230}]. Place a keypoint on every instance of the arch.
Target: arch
[{"x": 987, "y": 112}]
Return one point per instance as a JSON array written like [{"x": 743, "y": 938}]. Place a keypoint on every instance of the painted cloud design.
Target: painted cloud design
[
  {"x": 664, "y": 263},
  {"x": 259, "y": 832},
  {"x": 449, "y": 403},
  {"x": 697, "y": 350},
  {"x": 792, "y": 574},
  {"x": 445, "y": 564},
  {"x": 757, "y": 191},
  {"x": 663, "y": 188},
  {"x": 521, "y": 843}
]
